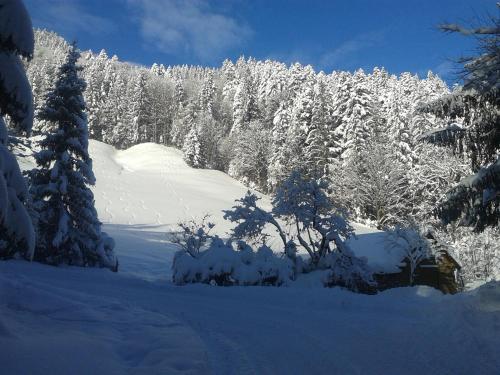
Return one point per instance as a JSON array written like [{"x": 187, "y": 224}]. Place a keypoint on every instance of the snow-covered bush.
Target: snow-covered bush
[
  {"x": 416, "y": 247},
  {"x": 303, "y": 204},
  {"x": 193, "y": 235},
  {"x": 221, "y": 264},
  {"x": 348, "y": 271},
  {"x": 314, "y": 221}
]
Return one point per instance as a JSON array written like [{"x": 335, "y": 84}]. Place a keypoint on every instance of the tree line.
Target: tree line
[{"x": 376, "y": 138}]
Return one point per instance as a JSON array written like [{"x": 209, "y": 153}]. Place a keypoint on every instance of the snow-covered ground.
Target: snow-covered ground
[{"x": 90, "y": 321}]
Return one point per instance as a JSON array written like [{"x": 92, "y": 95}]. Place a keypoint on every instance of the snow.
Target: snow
[
  {"x": 15, "y": 84},
  {"x": 151, "y": 185},
  {"x": 13, "y": 214},
  {"x": 220, "y": 264},
  {"x": 83, "y": 321},
  {"x": 15, "y": 26},
  {"x": 373, "y": 245}
]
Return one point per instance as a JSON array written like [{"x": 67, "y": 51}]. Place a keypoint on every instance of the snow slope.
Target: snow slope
[{"x": 90, "y": 321}]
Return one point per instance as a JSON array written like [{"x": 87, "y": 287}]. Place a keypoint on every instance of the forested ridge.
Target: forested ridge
[
  {"x": 247, "y": 117},
  {"x": 367, "y": 133},
  {"x": 356, "y": 210}
]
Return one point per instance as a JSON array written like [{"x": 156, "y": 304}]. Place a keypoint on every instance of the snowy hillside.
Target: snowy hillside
[
  {"x": 143, "y": 192},
  {"x": 88, "y": 321}
]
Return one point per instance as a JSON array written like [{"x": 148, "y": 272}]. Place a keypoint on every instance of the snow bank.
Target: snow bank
[
  {"x": 68, "y": 320},
  {"x": 49, "y": 328},
  {"x": 489, "y": 296}
]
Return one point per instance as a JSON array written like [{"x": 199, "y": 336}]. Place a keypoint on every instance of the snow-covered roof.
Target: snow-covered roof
[{"x": 373, "y": 245}]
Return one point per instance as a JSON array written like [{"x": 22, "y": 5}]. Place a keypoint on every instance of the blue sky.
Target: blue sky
[{"x": 328, "y": 34}]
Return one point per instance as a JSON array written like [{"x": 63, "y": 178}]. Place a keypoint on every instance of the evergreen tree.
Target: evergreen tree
[
  {"x": 245, "y": 108},
  {"x": 192, "y": 149},
  {"x": 476, "y": 200},
  {"x": 139, "y": 110},
  {"x": 279, "y": 167},
  {"x": 207, "y": 94},
  {"x": 16, "y": 39},
  {"x": 182, "y": 124},
  {"x": 211, "y": 135},
  {"x": 113, "y": 114},
  {"x": 69, "y": 231},
  {"x": 97, "y": 76},
  {"x": 316, "y": 150},
  {"x": 399, "y": 117}
]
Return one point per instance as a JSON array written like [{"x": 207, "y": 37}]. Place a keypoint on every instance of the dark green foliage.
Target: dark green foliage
[{"x": 68, "y": 230}]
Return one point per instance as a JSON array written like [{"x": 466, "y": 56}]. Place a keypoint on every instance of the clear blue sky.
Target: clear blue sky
[{"x": 329, "y": 34}]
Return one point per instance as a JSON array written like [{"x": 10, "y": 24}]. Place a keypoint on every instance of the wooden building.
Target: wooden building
[{"x": 439, "y": 270}]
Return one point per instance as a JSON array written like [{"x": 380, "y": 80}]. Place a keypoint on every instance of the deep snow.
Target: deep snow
[{"x": 87, "y": 321}]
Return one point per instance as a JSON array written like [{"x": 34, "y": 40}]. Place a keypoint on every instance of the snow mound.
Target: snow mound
[{"x": 489, "y": 296}]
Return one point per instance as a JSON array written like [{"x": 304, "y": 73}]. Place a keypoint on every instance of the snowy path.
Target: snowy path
[
  {"x": 139, "y": 327},
  {"x": 75, "y": 321}
]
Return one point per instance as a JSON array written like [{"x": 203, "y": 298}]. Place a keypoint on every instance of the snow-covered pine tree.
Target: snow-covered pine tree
[
  {"x": 280, "y": 152},
  {"x": 16, "y": 39},
  {"x": 182, "y": 124},
  {"x": 300, "y": 127},
  {"x": 355, "y": 116},
  {"x": 139, "y": 110},
  {"x": 245, "y": 108},
  {"x": 179, "y": 95},
  {"x": 210, "y": 135},
  {"x": 207, "y": 94},
  {"x": 399, "y": 116},
  {"x": 316, "y": 150},
  {"x": 69, "y": 231},
  {"x": 475, "y": 201},
  {"x": 192, "y": 149},
  {"x": 50, "y": 52},
  {"x": 97, "y": 76},
  {"x": 116, "y": 129}
]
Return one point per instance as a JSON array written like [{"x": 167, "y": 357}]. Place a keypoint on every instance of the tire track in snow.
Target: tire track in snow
[{"x": 225, "y": 355}]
